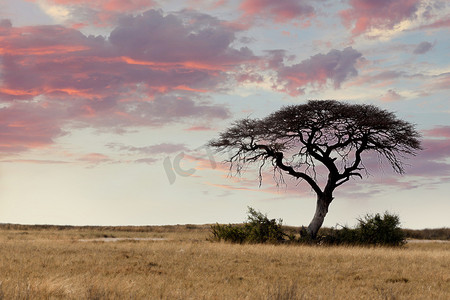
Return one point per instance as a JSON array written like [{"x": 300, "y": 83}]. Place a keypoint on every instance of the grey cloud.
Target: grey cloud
[
  {"x": 5, "y": 23},
  {"x": 148, "y": 160},
  {"x": 188, "y": 36},
  {"x": 423, "y": 48},
  {"x": 163, "y": 148},
  {"x": 336, "y": 66}
]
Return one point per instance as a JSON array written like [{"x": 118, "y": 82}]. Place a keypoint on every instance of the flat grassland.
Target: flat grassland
[{"x": 39, "y": 262}]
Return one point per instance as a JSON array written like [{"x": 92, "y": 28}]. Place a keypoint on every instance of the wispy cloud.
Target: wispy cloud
[
  {"x": 365, "y": 15},
  {"x": 95, "y": 158},
  {"x": 147, "y": 160},
  {"x": 280, "y": 11},
  {"x": 35, "y": 161},
  {"x": 98, "y": 13},
  {"x": 439, "y": 132},
  {"x": 390, "y": 96},
  {"x": 440, "y": 23},
  {"x": 163, "y": 148}
]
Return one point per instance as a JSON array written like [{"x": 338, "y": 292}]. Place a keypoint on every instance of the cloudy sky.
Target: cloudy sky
[{"x": 105, "y": 106}]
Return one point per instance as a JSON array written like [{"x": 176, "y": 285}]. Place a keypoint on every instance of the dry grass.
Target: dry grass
[{"x": 51, "y": 263}]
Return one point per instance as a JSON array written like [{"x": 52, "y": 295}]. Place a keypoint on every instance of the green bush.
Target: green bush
[
  {"x": 229, "y": 233},
  {"x": 257, "y": 229},
  {"x": 381, "y": 230},
  {"x": 345, "y": 235},
  {"x": 260, "y": 229},
  {"x": 371, "y": 230}
]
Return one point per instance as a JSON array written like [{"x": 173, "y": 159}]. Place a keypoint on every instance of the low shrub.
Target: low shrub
[
  {"x": 257, "y": 229},
  {"x": 345, "y": 235},
  {"x": 371, "y": 230},
  {"x": 260, "y": 229},
  {"x": 229, "y": 233},
  {"x": 381, "y": 230}
]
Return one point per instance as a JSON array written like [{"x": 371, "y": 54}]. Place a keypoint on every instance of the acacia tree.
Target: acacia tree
[{"x": 296, "y": 139}]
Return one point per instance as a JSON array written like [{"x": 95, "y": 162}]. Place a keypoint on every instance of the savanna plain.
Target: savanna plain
[{"x": 179, "y": 262}]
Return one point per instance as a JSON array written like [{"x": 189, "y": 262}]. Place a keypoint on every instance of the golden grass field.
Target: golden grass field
[{"x": 52, "y": 263}]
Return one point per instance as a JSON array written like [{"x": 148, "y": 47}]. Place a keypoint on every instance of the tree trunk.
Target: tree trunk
[{"x": 321, "y": 211}]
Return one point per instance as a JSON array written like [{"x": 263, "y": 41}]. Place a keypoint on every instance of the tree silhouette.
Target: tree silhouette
[{"x": 296, "y": 139}]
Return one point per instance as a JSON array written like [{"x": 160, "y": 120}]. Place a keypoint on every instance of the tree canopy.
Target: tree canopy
[{"x": 297, "y": 138}]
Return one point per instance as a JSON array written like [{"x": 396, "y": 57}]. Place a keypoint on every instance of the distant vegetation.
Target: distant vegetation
[
  {"x": 371, "y": 230},
  {"x": 422, "y": 234},
  {"x": 428, "y": 234}
]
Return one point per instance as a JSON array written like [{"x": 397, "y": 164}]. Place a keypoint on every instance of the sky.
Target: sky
[{"x": 106, "y": 106}]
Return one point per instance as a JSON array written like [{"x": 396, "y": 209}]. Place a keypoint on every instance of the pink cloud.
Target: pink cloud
[
  {"x": 291, "y": 188},
  {"x": 199, "y": 128},
  {"x": 439, "y": 82},
  {"x": 365, "y": 15},
  {"x": 336, "y": 66},
  {"x": 204, "y": 162},
  {"x": 132, "y": 78},
  {"x": 55, "y": 60},
  {"x": 203, "y": 42},
  {"x": 95, "y": 158},
  {"x": 28, "y": 126},
  {"x": 230, "y": 187},
  {"x": 108, "y": 5},
  {"x": 280, "y": 11},
  {"x": 439, "y": 132},
  {"x": 381, "y": 79},
  {"x": 100, "y": 12},
  {"x": 391, "y": 96},
  {"x": 35, "y": 161},
  {"x": 436, "y": 149}
]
